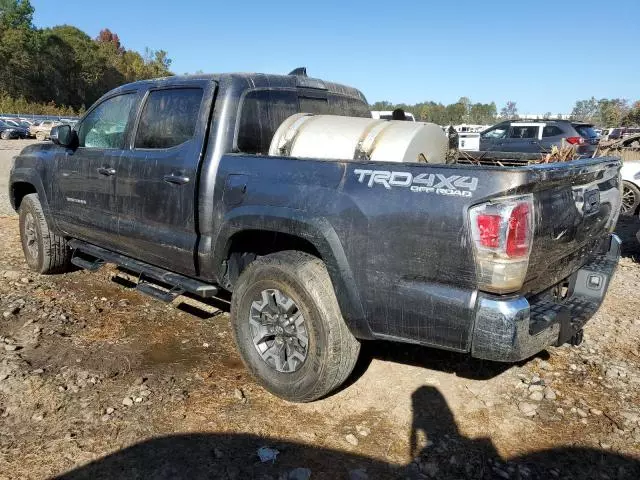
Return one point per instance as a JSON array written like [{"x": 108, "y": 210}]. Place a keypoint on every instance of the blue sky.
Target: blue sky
[{"x": 542, "y": 54}]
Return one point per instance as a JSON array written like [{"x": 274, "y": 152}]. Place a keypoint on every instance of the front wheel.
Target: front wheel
[
  {"x": 44, "y": 251},
  {"x": 288, "y": 327},
  {"x": 630, "y": 199},
  {"x": 41, "y": 136}
]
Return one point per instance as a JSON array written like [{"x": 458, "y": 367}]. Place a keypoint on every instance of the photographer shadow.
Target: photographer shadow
[{"x": 435, "y": 444}]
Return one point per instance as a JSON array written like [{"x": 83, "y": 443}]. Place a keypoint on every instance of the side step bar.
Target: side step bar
[
  {"x": 179, "y": 283},
  {"x": 91, "y": 265},
  {"x": 155, "y": 292}
]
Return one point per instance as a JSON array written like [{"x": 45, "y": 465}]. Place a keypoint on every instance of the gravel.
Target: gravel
[
  {"x": 528, "y": 409},
  {"x": 351, "y": 439}
]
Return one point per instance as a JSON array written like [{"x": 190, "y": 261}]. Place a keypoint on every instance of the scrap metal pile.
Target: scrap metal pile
[{"x": 627, "y": 148}]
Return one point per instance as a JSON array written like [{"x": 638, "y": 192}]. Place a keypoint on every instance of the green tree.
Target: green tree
[
  {"x": 509, "y": 111},
  {"x": 586, "y": 110},
  {"x": 63, "y": 64},
  {"x": 612, "y": 111}
]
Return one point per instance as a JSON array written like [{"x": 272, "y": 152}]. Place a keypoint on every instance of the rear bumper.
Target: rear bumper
[{"x": 516, "y": 328}]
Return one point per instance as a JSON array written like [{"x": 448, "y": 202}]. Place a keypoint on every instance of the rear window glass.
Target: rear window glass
[
  {"x": 169, "y": 118},
  {"x": 524, "y": 132},
  {"x": 585, "y": 131},
  {"x": 551, "y": 131},
  {"x": 263, "y": 111}
]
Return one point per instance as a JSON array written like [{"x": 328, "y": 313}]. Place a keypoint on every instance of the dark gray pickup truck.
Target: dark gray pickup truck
[{"x": 171, "y": 179}]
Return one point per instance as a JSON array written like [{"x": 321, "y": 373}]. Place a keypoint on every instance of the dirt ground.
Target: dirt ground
[{"x": 99, "y": 381}]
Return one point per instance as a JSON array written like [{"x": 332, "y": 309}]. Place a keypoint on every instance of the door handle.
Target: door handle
[
  {"x": 176, "y": 179},
  {"x": 106, "y": 171}
]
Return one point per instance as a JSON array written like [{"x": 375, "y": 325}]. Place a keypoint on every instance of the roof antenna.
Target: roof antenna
[{"x": 299, "y": 72}]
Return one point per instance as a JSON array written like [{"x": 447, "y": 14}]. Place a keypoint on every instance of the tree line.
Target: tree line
[
  {"x": 462, "y": 111},
  {"x": 61, "y": 70},
  {"x": 607, "y": 112}
]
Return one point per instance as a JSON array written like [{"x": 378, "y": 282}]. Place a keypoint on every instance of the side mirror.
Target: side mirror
[{"x": 62, "y": 135}]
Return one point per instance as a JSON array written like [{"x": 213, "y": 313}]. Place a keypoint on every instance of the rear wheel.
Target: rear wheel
[
  {"x": 288, "y": 327},
  {"x": 5, "y": 135},
  {"x": 630, "y": 198},
  {"x": 41, "y": 136},
  {"x": 44, "y": 251}
]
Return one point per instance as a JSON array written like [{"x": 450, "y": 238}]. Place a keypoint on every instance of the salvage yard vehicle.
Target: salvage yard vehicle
[
  {"x": 630, "y": 187},
  {"x": 172, "y": 179},
  {"x": 526, "y": 136},
  {"x": 9, "y": 131},
  {"x": 42, "y": 130}
]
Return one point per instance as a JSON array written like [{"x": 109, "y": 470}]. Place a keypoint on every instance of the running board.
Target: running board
[
  {"x": 91, "y": 265},
  {"x": 158, "y": 293},
  {"x": 179, "y": 283}
]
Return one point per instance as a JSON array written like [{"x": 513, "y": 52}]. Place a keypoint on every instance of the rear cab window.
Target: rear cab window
[
  {"x": 168, "y": 118},
  {"x": 263, "y": 110}
]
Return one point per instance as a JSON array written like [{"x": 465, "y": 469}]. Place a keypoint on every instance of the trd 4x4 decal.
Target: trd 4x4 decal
[{"x": 453, "y": 185}]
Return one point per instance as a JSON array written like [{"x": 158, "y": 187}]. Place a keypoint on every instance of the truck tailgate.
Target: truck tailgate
[{"x": 577, "y": 204}]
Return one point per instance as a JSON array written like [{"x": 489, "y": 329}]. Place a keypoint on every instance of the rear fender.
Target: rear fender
[{"x": 318, "y": 232}]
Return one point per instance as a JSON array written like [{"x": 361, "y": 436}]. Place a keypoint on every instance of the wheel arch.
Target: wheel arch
[
  {"x": 636, "y": 187},
  {"x": 257, "y": 231}
]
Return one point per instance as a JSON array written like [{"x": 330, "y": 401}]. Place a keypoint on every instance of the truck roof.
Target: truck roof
[{"x": 254, "y": 80}]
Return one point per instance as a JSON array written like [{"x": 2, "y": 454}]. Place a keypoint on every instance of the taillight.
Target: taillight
[
  {"x": 502, "y": 233},
  {"x": 575, "y": 140}
]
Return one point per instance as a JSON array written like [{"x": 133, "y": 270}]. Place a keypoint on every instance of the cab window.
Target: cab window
[
  {"x": 169, "y": 118},
  {"x": 105, "y": 126},
  {"x": 524, "y": 132},
  {"x": 499, "y": 131}
]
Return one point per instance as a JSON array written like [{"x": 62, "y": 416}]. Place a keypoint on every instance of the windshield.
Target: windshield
[{"x": 586, "y": 131}]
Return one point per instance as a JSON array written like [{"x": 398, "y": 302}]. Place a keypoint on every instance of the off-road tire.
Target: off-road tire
[
  {"x": 53, "y": 254},
  {"x": 41, "y": 136},
  {"x": 332, "y": 350},
  {"x": 631, "y": 195},
  {"x": 5, "y": 135}
]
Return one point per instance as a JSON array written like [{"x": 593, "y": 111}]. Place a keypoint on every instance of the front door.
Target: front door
[
  {"x": 156, "y": 185},
  {"x": 493, "y": 138},
  {"x": 84, "y": 183}
]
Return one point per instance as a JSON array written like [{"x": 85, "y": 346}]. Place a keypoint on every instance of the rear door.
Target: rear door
[
  {"x": 551, "y": 135},
  {"x": 156, "y": 186}
]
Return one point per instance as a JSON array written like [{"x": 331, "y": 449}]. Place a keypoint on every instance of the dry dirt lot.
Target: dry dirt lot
[{"x": 98, "y": 381}]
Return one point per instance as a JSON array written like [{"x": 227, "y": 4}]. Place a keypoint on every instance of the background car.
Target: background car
[
  {"x": 42, "y": 130},
  {"x": 9, "y": 131},
  {"x": 630, "y": 173},
  {"x": 533, "y": 137}
]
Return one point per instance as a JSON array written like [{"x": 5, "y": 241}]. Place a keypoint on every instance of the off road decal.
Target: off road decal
[{"x": 453, "y": 185}]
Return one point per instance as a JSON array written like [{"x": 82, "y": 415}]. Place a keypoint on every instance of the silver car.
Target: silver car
[{"x": 539, "y": 136}]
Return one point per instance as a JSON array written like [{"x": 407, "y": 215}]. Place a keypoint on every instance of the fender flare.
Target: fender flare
[
  {"x": 31, "y": 177},
  {"x": 317, "y": 231}
]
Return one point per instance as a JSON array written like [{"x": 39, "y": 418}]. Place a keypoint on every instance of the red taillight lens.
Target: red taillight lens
[
  {"x": 575, "y": 140},
  {"x": 489, "y": 228},
  {"x": 502, "y": 234},
  {"x": 518, "y": 231}
]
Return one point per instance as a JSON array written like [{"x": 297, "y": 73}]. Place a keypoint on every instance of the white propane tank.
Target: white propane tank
[{"x": 334, "y": 137}]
